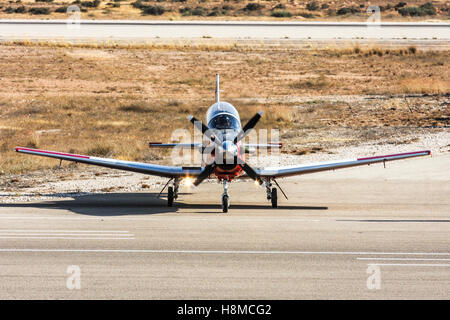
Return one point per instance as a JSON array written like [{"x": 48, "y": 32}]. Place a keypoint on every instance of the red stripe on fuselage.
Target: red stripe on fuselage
[
  {"x": 51, "y": 152},
  {"x": 395, "y": 155}
]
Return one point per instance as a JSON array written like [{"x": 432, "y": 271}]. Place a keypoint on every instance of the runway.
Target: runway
[
  {"x": 238, "y": 30},
  {"x": 359, "y": 233}
]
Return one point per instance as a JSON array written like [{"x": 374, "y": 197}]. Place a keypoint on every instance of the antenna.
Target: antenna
[{"x": 217, "y": 88}]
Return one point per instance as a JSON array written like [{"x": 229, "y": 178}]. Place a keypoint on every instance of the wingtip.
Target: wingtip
[
  {"x": 190, "y": 117},
  {"x": 260, "y": 112},
  {"x": 150, "y": 144}
]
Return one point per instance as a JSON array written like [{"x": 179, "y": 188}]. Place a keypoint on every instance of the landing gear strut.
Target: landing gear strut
[
  {"x": 225, "y": 197},
  {"x": 172, "y": 192}
]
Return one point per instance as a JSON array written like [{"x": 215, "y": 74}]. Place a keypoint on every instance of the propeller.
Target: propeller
[
  {"x": 205, "y": 174},
  {"x": 227, "y": 146},
  {"x": 204, "y": 129},
  {"x": 248, "y": 127},
  {"x": 251, "y": 173}
]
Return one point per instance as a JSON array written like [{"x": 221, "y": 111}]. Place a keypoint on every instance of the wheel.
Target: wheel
[
  {"x": 274, "y": 198},
  {"x": 170, "y": 197},
  {"x": 225, "y": 203}
]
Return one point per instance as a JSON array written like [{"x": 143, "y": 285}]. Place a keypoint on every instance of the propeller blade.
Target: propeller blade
[
  {"x": 204, "y": 129},
  {"x": 248, "y": 127},
  {"x": 205, "y": 174},
  {"x": 198, "y": 124},
  {"x": 251, "y": 173}
]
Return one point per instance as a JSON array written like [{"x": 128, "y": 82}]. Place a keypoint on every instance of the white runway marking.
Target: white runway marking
[
  {"x": 409, "y": 264},
  {"x": 78, "y": 231},
  {"x": 67, "y": 238},
  {"x": 2, "y": 234},
  {"x": 403, "y": 259},
  {"x": 223, "y": 252},
  {"x": 66, "y": 234}
]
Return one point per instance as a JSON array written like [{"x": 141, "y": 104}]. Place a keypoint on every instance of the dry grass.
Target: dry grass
[
  {"x": 424, "y": 85},
  {"x": 144, "y": 45},
  {"x": 111, "y": 100},
  {"x": 319, "y": 82}
]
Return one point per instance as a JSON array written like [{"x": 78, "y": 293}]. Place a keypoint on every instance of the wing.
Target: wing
[
  {"x": 146, "y": 168},
  {"x": 278, "y": 145},
  {"x": 253, "y": 147},
  {"x": 176, "y": 145},
  {"x": 276, "y": 172}
]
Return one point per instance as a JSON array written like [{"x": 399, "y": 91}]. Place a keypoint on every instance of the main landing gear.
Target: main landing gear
[
  {"x": 172, "y": 192},
  {"x": 271, "y": 194},
  {"x": 225, "y": 197}
]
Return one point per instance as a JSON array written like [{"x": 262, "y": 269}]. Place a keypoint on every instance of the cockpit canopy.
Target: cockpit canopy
[
  {"x": 222, "y": 115},
  {"x": 224, "y": 121}
]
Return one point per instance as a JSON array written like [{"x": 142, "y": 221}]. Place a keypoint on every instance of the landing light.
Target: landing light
[{"x": 187, "y": 181}]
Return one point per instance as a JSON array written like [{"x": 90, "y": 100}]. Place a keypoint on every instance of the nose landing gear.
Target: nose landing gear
[{"x": 225, "y": 197}]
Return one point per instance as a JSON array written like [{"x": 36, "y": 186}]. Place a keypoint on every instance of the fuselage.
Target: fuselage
[{"x": 223, "y": 118}]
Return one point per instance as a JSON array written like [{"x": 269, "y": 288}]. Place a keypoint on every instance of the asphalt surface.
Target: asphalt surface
[
  {"x": 336, "y": 230},
  {"x": 156, "y": 29}
]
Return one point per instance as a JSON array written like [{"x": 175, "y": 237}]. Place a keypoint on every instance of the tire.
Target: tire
[
  {"x": 225, "y": 204},
  {"x": 274, "y": 198},
  {"x": 170, "y": 197}
]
